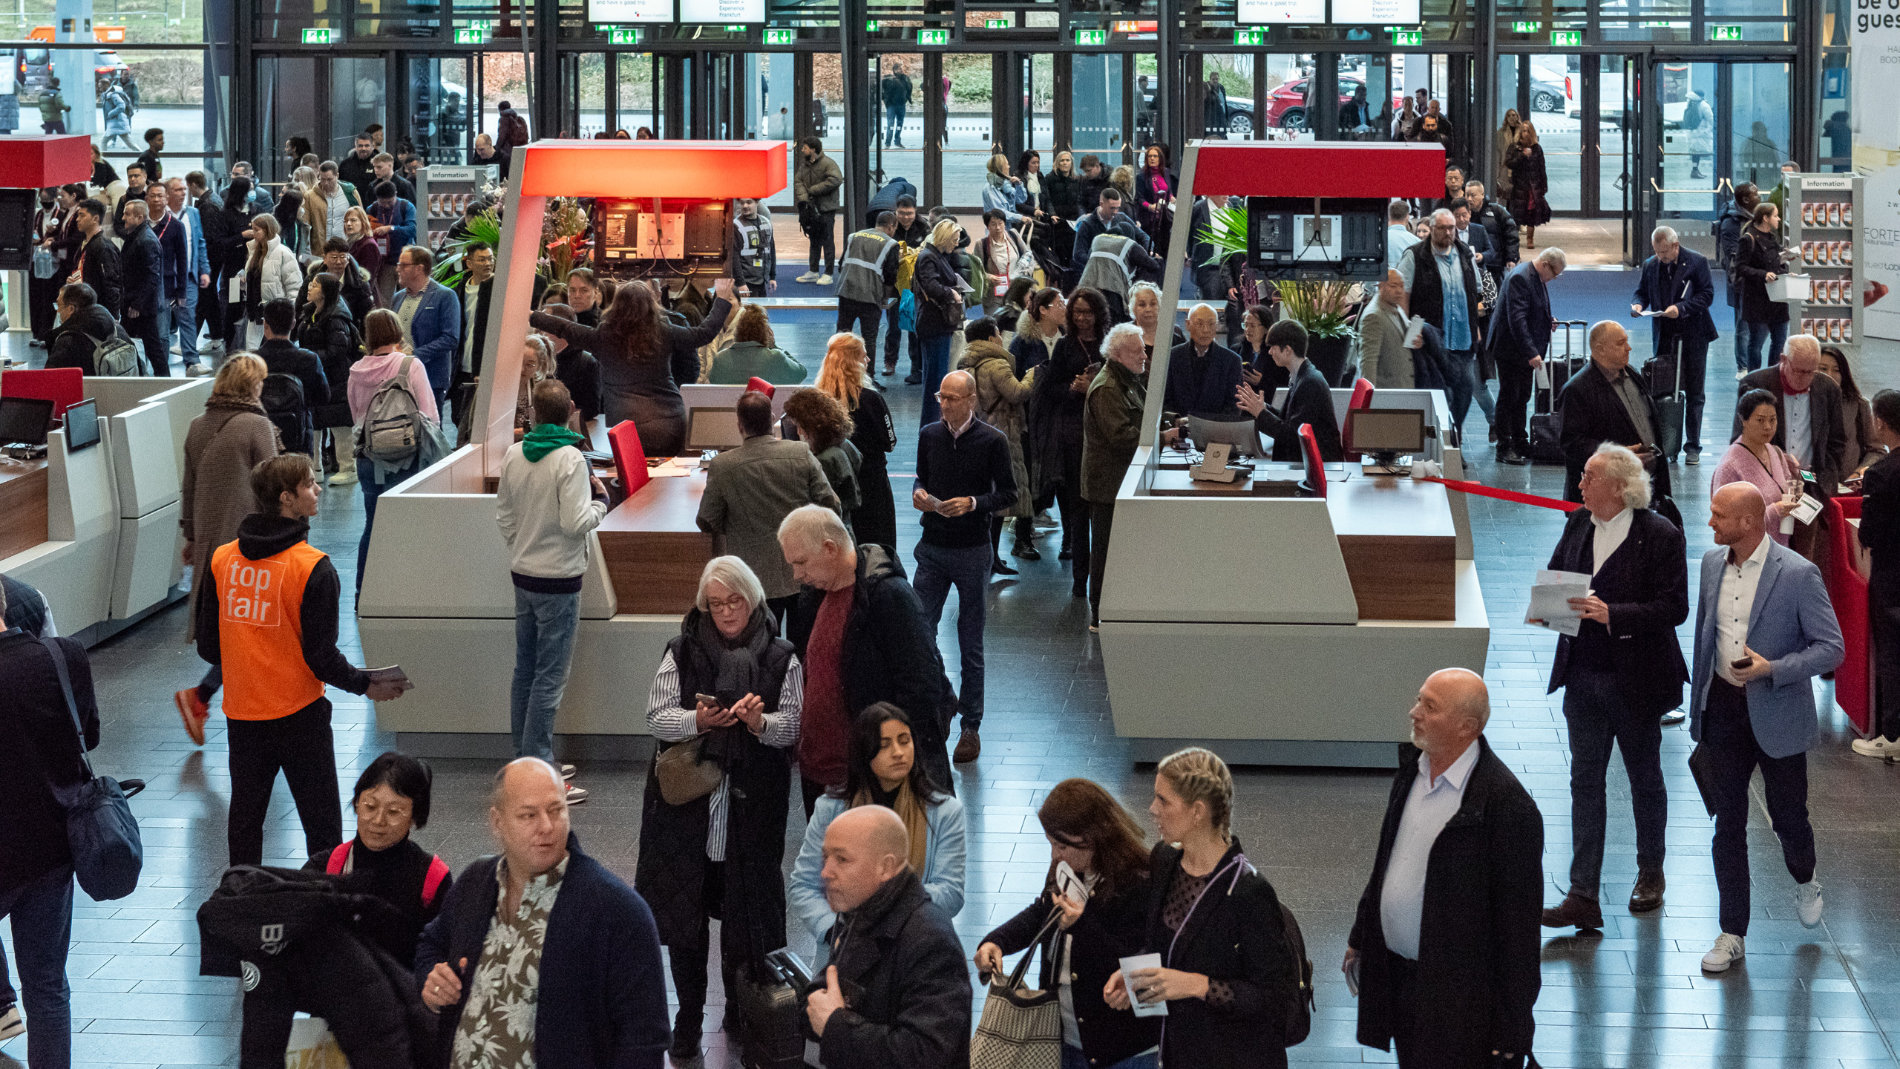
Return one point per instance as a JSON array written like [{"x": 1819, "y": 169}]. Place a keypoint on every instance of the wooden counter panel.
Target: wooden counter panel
[
  {"x": 1401, "y": 578},
  {"x": 653, "y": 548},
  {"x": 23, "y": 507}
]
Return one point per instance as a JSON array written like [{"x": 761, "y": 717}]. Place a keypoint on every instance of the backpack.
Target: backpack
[
  {"x": 392, "y": 429},
  {"x": 906, "y": 266},
  {"x": 282, "y": 398},
  {"x": 338, "y": 864},
  {"x": 116, "y": 355},
  {"x": 1299, "y": 1014}
]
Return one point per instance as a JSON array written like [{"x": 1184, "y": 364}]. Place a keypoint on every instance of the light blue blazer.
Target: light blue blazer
[
  {"x": 942, "y": 875},
  {"x": 1791, "y": 624}
]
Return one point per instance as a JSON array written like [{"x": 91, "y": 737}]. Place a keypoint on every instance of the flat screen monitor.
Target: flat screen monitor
[
  {"x": 1238, "y": 433},
  {"x": 25, "y": 420},
  {"x": 82, "y": 425},
  {"x": 1386, "y": 430},
  {"x": 712, "y": 428}
]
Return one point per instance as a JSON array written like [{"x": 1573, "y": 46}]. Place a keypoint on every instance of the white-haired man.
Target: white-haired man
[
  {"x": 1620, "y": 672},
  {"x": 1441, "y": 286},
  {"x": 1675, "y": 287}
]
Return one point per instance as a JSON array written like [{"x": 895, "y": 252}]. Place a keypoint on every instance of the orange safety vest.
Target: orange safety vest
[{"x": 260, "y": 631}]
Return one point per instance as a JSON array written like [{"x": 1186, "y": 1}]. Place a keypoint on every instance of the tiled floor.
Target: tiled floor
[{"x": 1634, "y": 996}]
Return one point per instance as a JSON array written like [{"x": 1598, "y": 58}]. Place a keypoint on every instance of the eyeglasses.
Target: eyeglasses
[
  {"x": 735, "y": 603},
  {"x": 941, "y": 396},
  {"x": 392, "y": 813}
]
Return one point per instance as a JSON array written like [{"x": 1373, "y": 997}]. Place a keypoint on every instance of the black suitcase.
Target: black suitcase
[
  {"x": 770, "y": 1015},
  {"x": 1664, "y": 372},
  {"x": 1546, "y": 432}
]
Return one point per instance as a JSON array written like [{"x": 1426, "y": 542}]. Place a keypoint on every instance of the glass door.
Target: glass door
[{"x": 440, "y": 107}]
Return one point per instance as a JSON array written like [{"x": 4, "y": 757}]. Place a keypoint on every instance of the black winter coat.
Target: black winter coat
[
  {"x": 1055, "y": 416},
  {"x": 41, "y": 754},
  {"x": 1064, "y": 194},
  {"x": 939, "y": 306},
  {"x": 1236, "y": 935},
  {"x": 334, "y": 338},
  {"x": 1646, "y": 584},
  {"x": 144, "y": 267},
  {"x": 1479, "y": 943},
  {"x": 1756, "y": 255},
  {"x": 1592, "y": 415},
  {"x": 890, "y": 654},
  {"x": 904, "y": 976},
  {"x": 1112, "y": 927},
  {"x": 71, "y": 343}
]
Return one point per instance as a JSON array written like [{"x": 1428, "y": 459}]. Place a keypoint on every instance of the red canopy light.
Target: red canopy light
[
  {"x": 1348, "y": 170},
  {"x": 695, "y": 170},
  {"x": 35, "y": 161}
]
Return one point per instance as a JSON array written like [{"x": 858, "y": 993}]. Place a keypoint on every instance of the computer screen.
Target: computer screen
[
  {"x": 1386, "y": 430},
  {"x": 712, "y": 428},
  {"x": 1238, "y": 433},
  {"x": 25, "y": 420},
  {"x": 82, "y": 425}
]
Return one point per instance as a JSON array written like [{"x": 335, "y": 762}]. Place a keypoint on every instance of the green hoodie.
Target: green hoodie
[{"x": 545, "y": 438}]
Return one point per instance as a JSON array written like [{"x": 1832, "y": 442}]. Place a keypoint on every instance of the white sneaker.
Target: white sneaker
[
  {"x": 1726, "y": 952},
  {"x": 824, "y": 280},
  {"x": 343, "y": 478},
  {"x": 576, "y": 795},
  {"x": 567, "y": 772},
  {"x": 812, "y": 276},
  {"x": 196, "y": 371},
  {"x": 1807, "y": 902},
  {"x": 1740, "y": 375},
  {"x": 1674, "y": 716},
  {"x": 10, "y": 1023},
  {"x": 1878, "y": 746}
]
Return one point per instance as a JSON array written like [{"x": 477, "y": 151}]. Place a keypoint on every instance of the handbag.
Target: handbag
[
  {"x": 683, "y": 775},
  {"x": 100, "y": 827},
  {"x": 1700, "y": 768},
  {"x": 1021, "y": 1028}
]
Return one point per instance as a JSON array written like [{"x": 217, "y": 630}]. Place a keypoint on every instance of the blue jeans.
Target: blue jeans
[
  {"x": 545, "y": 626},
  {"x": 1464, "y": 384},
  {"x": 184, "y": 323},
  {"x": 936, "y": 366},
  {"x": 893, "y": 124},
  {"x": 372, "y": 490},
  {"x": 1073, "y": 1058},
  {"x": 1754, "y": 334},
  {"x": 968, "y": 569},
  {"x": 42, "y": 916}
]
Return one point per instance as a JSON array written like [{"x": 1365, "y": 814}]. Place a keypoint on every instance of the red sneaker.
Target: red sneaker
[{"x": 194, "y": 712}]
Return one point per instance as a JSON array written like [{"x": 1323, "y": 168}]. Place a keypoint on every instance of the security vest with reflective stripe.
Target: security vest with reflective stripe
[
  {"x": 260, "y": 631},
  {"x": 861, "y": 277},
  {"x": 1107, "y": 266}
]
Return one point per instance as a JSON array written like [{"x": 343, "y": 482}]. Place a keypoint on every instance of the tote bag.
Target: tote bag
[
  {"x": 1021, "y": 1028},
  {"x": 100, "y": 828}
]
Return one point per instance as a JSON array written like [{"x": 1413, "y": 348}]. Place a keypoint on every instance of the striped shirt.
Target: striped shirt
[{"x": 670, "y": 722}]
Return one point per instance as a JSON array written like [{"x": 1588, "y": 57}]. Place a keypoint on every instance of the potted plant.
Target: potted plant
[{"x": 1324, "y": 308}]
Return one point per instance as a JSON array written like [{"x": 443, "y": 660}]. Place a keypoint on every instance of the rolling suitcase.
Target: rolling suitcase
[
  {"x": 1664, "y": 372},
  {"x": 771, "y": 1011},
  {"x": 1546, "y": 430}
]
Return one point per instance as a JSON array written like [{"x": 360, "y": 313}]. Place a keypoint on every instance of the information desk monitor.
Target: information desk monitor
[
  {"x": 82, "y": 425},
  {"x": 25, "y": 420},
  {"x": 666, "y": 239},
  {"x": 1240, "y": 434},
  {"x": 712, "y": 428},
  {"x": 1386, "y": 433}
]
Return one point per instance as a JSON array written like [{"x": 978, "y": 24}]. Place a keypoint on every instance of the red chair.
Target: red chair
[
  {"x": 1361, "y": 399},
  {"x": 1847, "y": 588},
  {"x": 759, "y": 385},
  {"x": 630, "y": 457},
  {"x": 64, "y": 386},
  {"x": 1315, "y": 482}
]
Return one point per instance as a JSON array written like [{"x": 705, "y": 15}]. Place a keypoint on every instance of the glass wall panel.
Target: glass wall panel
[
  {"x": 439, "y": 103},
  {"x": 503, "y": 77},
  {"x": 1096, "y": 95},
  {"x": 1688, "y": 144},
  {"x": 359, "y": 95},
  {"x": 1039, "y": 104},
  {"x": 899, "y": 152},
  {"x": 1837, "y": 137},
  {"x": 636, "y": 98},
  {"x": 1613, "y": 128},
  {"x": 592, "y": 73},
  {"x": 969, "y": 127},
  {"x": 1561, "y": 133},
  {"x": 1289, "y": 96},
  {"x": 1759, "y": 111},
  {"x": 1227, "y": 100},
  {"x": 396, "y": 18},
  {"x": 286, "y": 108}
]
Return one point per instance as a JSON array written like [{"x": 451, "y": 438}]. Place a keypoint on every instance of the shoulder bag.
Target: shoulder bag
[
  {"x": 100, "y": 827},
  {"x": 1021, "y": 1028},
  {"x": 684, "y": 774}
]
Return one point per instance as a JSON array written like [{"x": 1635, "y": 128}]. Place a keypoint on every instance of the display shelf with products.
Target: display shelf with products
[
  {"x": 1822, "y": 213},
  {"x": 443, "y": 195}
]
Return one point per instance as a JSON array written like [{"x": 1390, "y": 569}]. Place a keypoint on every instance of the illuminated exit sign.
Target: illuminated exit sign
[
  {"x": 997, "y": 24},
  {"x": 1407, "y": 38},
  {"x": 1725, "y": 33},
  {"x": 470, "y": 36},
  {"x": 1526, "y": 27},
  {"x": 319, "y": 37},
  {"x": 629, "y": 36},
  {"x": 781, "y": 37},
  {"x": 1091, "y": 38},
  {"x": 1566, "y": 38},
  {"x": 933, "y": 37},
  {"x": 1250, "y": 38}
]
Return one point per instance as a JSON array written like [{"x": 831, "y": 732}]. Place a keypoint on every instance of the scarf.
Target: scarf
[
  {"x": 729, "y": 668},
  {"x": 1787, "y": 388},
  {"x": 909, "y": 808},
  {"x": 546, "y": 438}
]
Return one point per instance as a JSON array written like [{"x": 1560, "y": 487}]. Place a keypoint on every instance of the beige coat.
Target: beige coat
[
  {"x": 221, "y": 448},
  {"x": 1384, "y": 360},
  {"x": 1002, "y": 402}
]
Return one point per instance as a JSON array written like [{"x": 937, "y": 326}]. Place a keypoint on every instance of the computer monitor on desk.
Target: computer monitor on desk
[
  {"x": 1386, "y": 433},
  {"x": 1238, "y": 433},
  {"x": 712, "y": 428},
  {"x": 25, "y": 420}
]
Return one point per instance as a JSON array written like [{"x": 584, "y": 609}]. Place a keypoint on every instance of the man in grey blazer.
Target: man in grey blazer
[{"x": 1764, "y": 629}]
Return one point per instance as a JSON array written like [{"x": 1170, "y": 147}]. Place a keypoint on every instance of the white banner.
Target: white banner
[{"x": 1876, "y": 85}]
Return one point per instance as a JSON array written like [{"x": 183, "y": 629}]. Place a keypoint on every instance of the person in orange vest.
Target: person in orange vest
[{"x": 270, "y": 624}]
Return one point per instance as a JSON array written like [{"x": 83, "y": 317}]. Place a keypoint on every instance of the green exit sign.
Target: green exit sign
[
  {"x": 319, "y": 37},
  {"x": 781, "y": 37},
  {"x": 1091, "y": 38},
  {"x": 1526, "y": 27},
  {"x": 1566, "y": 38},
  {"x": 933, "y": 37},
  {"x": 629, "y": 36},
  {"x": 735, "y": 27},
  {"x": 1250, "y": 38},
  {"x": 1725, "y": 33},
  {"x": 997, "y": 24},
  {"x": 870, "y": 25},
  {"x": 1407, "y": 38},
  {"x": 470, "y": 36}
]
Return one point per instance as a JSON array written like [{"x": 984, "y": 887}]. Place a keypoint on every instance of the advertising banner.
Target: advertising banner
[{"x": 1876, "y": 84}]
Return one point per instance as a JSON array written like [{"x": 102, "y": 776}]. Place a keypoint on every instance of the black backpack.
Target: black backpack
[
  {"x": 1299, "y": 1015},
  {"x": 282, "y": 398}
]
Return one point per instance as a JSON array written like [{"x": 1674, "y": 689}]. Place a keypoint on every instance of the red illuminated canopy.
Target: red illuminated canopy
[
  {"x": 709, "y": 170},
  {"x": 1320, "y": 170},
  {"x": 35, "y": 161}
]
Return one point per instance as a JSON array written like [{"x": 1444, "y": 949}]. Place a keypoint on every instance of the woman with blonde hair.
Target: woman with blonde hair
[
  {"x": 386, "y": 357},
  {"x": 842, "y": 377},
  {"x": 1507, "y": 136},
  {"x": 230, "y": 438},
  {"x": 270, "y": 273},
  {"x": 1530, "y": 183},
  {"x": 1003, "y": 192},
  {"x": 940, "y": 286},
  {"x": 1227, "y": 971},
  {"x": 1123, "y": 179},
  {"x": 360, "y": 231},
  {"x": 754, "y": 354}
]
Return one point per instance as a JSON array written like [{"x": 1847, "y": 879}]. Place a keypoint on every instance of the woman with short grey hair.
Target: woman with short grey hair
[{"x": 728, "y": 694}]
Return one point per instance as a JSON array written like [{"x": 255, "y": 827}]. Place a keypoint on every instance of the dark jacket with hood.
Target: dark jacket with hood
[
  {"x": 890, "y": 653},
  {"x": 601, "y": 1003},
  {"x": 261, "y": 536},
  {"x": 42, "y": 754},
  {"x": 905, "y": 982},
  {"x": 72, "y": 343},
  {"x": 672, "y": 865}
]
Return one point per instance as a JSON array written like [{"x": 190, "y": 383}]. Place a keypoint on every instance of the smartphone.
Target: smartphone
[
  {"x": 706, "y": 699},
  {"x": 1740, "y": 663}
]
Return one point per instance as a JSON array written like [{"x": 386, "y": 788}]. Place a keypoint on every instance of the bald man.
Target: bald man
[
  {"x": 963, "y": 476},
  {"x": 543, "y": 934},
  {"x": 1449, "y": 977},
  {"x": 1764, "y": 629},
  {"x": 1203, "y": 375},
  {"x": 896, "y": 993},
  {"x": 1609, "y": 401}
]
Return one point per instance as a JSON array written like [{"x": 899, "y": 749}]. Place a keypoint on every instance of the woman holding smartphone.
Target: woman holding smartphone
[
  {"x": 1227, "y": 972},
  {"x": 1097, "y": 896}
]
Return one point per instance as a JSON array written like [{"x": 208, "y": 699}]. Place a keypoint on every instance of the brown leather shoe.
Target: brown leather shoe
[
  {"x": 1648, "y": 892},
  {"x": 1576, "y": 912},
  {"x": 969, "y": 747}
]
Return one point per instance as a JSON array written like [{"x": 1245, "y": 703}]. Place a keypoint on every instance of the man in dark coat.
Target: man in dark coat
[
  {"x": 1308, "y": 400},
  {"x": 1499, "y": 227},
  {"x": 1620, "y": 673},
  {"x": 1804, "y": 397},
  {"x": 1520, "y": 336},
  {"x": 1441, "y": 287},
  {"x": 144, "y": 288},
  {"x": 283, "y": 357},
  {"x": 883, "y": 650},
  {"x": 897, "y": 991},
  {"x": 1880, "y": 533},
  {"x": 98, "y": 265},
  {"x": 1445, "y": 945},
  {"x": 84, "y": 325},
  {"x": 1675, "y": 287},
  {"x": 1203, "y": 376},
  {"x": 1609, "y": 401}
]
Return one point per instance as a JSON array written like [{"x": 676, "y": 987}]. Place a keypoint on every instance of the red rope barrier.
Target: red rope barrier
[{"x": 1507, "y": 495}]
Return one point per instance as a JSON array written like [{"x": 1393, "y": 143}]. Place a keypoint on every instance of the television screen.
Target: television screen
[
  {"x": 82, "y": 425},
  {"x": 712, "y": 428},
  {"x": 24, "y": 420}
]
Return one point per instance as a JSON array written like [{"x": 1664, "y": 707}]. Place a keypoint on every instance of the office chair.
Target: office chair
[
  {"x": 1315, "y": 481},
  {"x": 64, "y": 386},
  {"x": 1361, "y": 399},
  {"x": 630, "y": 457}
]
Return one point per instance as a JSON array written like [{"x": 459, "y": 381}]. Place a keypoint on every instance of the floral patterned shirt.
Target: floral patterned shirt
[{"x": 497, "y": 1029}]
